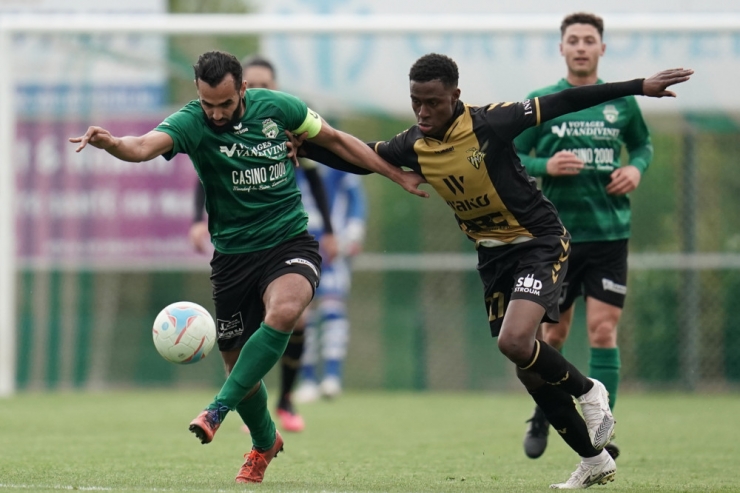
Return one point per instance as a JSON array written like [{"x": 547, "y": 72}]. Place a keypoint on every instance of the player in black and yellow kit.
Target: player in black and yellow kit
[{"x": 467, "y": 155}]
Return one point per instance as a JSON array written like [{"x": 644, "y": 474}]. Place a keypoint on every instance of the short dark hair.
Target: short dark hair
[
  {"x": 213, "y": 66},
  {"x": 259, "y": 61},
  {"x": 583, "y": 18},
  {"x": 434, "y": 66}
]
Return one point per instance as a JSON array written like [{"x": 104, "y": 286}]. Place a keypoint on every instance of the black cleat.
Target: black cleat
[{"x": 535, "y": 440}]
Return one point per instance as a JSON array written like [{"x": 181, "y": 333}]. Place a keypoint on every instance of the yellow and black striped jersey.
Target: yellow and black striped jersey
[{"x": 477, "y": 172}]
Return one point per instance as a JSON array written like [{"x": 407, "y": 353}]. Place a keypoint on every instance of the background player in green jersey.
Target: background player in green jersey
[
  {"x": 466, "y": 153},
  {"x": 265, "y": 267},
  {"x": 578, "y": 157},
  {"x": 260, "y": 73}
]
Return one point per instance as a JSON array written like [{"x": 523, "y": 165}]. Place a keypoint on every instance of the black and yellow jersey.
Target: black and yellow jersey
[
  {"x": 475, "y": 167},
  {"x": 477, "y": 172}
]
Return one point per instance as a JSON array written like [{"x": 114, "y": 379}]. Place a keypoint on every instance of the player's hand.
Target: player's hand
[
  {"x": 410, "y": 182},
  {"x": 655, "y": 86},
  {"x": 294, "y": 145},
  {"x": 624, "y": 180},
  {"x": 564, "y": 163},
  {"x": 199, "y": 236},
  {"x": 96, "y": 137},
  {"x": 329, "y": 246}
]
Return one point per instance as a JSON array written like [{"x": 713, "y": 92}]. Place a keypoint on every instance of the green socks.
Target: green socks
[
  {"x": 255, "y": 415},
  {"x": 258, "y": 356},
  {"x": 604, "y": 366}
]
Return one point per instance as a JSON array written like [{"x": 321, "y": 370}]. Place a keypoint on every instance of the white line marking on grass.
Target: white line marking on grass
[{"x": 93, "y": 488}]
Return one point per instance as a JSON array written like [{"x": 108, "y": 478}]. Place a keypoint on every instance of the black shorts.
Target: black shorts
[
  {"x": 533, "y": 270},
  {"x": 597, "y": 269},
  {"x": 240, "y": 280}
]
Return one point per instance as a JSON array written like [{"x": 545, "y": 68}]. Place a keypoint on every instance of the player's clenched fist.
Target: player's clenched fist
[{"x": 96, "y": 137}]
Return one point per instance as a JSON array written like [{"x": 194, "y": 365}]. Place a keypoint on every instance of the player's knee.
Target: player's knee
[
  {"x": 603, "y": 334},
  {"x": 515, "y": 347},
  {"x": 284, "y": 315}
]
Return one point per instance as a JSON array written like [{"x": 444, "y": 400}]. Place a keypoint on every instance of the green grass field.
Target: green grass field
[{"x": 138, "y": 441}]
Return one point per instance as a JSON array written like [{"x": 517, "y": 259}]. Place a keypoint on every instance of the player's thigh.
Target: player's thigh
[
  {"x": 236, "y": 296},
  {"x": 291, "y": 276},
  {"x": 529, "y": 271},
  {"x": 606, "y": 277}
]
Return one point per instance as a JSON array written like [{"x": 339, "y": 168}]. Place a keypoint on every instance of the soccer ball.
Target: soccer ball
[{"x": 184, "y": 332}]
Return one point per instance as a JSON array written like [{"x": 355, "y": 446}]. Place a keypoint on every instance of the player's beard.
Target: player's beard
[{"x": 221, "y": 129}]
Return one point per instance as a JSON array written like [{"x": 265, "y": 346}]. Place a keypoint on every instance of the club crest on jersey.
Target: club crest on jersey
[
  {"x": 610, "y": 113},
  {"x": 269, "y": 128},
  {"x": 476, "y": 157}
]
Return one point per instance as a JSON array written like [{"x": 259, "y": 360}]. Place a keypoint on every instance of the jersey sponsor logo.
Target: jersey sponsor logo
[
  {"x": 455, "y": 184},
  {"x": 303, "y": 262},
  {"x": 609, "y": 285},
  {"x": 470, "y": 204},
  {"x": 229, "y": 328},
  {"x": 528, "y": 284},
  {"x": 602, "y": 157},
  {"x": 259, "y": 178},
  {"x": 264, "y": 149},
  {"x": 611, "y": 113},
  {"x": 490, "y": 222},
  {"x": 595, "y": 129},
  {"x": 269, "y": 128}
]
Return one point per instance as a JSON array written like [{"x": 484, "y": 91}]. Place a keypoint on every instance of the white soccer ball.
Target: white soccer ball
[{"x": 184, "y": 332}]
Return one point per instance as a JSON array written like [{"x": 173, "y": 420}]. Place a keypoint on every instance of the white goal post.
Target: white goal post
[{"x": 14, "y": 24}]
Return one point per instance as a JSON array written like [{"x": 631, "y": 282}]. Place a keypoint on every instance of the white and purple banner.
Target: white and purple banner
[{"x": 91, "y": 209}]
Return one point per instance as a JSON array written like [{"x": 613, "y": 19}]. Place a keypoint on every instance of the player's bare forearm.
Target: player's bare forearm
[{"x": 131, "y": 149}]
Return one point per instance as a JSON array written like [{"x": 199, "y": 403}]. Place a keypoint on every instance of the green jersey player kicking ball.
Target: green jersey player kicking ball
[{"x": 265, "y": 267}]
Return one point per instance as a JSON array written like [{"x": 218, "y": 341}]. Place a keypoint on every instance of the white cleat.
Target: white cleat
[
  {"x": 588, "y": 475},
  {"x": 599, "y": 419},
  {"x": 307, "y": 391},
  {"x": 331, "y": 387}
]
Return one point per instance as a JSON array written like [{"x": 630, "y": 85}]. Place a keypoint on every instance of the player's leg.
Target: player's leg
[
  {"x": 290, "y": 363},
  {"x": 605, "y": 286},
  {"x": 555, "y": 334},
  {"x": 535, "y": 283},
  {"x": 335, "y": 327},
  {"x": 538, "y": 427},
  {"x": 308, "y": 388}
]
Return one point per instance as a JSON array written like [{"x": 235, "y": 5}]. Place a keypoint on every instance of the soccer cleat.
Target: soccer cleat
[
  {"x": 307, "y": 391},
  {"x": 205, "y": 425},
  {"x": 613, "y": 450},
  {"x": 331, "y": 387},
  {"x": 588, "y": 475},
  {"x": 253, "y": 469},
  {"x": 598, "y": 416},
  {"x": 535, "y": 439},
  {"x": 290, "y": 421}
]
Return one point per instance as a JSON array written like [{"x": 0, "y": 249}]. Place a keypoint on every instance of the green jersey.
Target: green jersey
[
  {"x": 596, "y": 135},
  {"x": 252, "y": 198}
]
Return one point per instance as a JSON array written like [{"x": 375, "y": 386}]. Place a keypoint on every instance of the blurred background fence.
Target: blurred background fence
[{"x": 102, "y": 245}]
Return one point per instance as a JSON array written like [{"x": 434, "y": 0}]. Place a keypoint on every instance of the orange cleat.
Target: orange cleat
[
  {"x": 206, "y": 424},
  {"x": 253, "y": 470},
  {"x": 290, "y": 421}
]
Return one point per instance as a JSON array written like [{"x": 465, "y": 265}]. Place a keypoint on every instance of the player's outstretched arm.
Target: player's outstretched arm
[
  {"x": 132, "y": 149},
  {"x": 354, "y": 151},
  {"x": 582, "y": 97}
]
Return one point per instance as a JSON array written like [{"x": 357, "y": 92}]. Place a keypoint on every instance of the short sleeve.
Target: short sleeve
[
  {"x": 185, "y": 129},
  {"x": 294, "y": 110}
]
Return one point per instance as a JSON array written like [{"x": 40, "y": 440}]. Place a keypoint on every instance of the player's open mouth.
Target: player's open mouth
[{"x": 424, "y": 127}]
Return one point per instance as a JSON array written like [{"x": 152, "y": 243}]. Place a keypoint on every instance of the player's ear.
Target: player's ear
[
  {"x": 561, "y": 48},
  {"x": 456, "y": 94},
  {"x": 603, "y": 48},
  {"x": 243, "y": 88}
]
